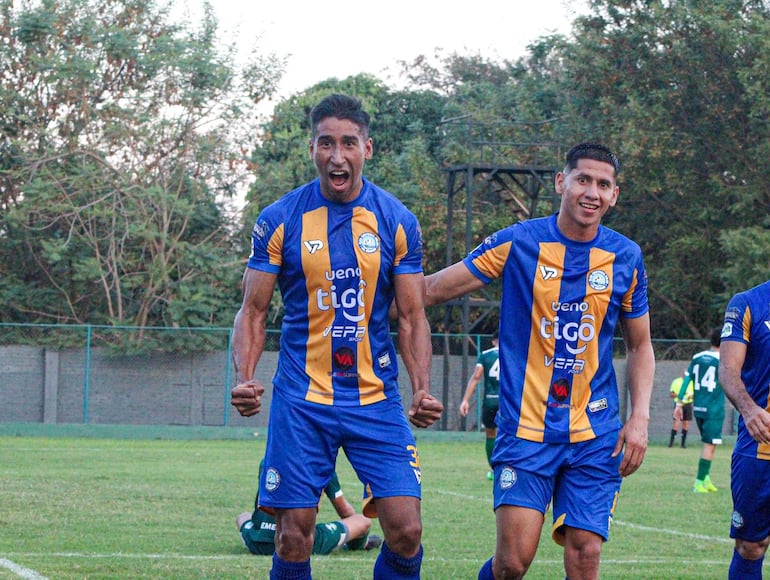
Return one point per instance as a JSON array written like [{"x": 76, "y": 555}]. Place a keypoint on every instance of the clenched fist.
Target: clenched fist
[
  {"x": 425, "y": 410},
  {"x": 247, "y": 397}
]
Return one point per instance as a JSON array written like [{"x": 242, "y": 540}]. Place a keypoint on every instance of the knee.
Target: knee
[
  {"x": 405, "y": 539},
  {"x": 294, "y": 544},
  {"x": 752, "y": 550},
  {"x": 509, "y": 566}
]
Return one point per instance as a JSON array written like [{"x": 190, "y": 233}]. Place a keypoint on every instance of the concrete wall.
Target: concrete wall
[{"x": 50, "y": 386}]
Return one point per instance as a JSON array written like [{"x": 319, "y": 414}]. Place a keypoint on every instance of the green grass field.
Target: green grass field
[{"x": 86, "y": 507}]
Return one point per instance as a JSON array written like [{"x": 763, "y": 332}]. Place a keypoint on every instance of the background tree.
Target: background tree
[{"x": 123, "y": 136}]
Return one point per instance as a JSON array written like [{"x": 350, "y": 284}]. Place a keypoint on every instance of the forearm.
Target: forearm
[
  {"x": 640, "y": 366},
  {"x": 415, "y": 348},
  {"x": 249, "y": 337}
]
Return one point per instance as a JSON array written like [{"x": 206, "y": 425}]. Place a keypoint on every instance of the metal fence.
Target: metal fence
[{"x": 124, "y": 375}]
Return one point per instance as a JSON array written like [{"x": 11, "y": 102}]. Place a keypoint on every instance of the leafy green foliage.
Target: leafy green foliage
[{"x": 121, "y": 143}]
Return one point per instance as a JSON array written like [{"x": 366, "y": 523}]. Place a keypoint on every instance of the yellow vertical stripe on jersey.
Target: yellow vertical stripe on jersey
[
  {"x": 598, "y": 301},
  {"x": 275, "y": 247},
  {"x": 537, "y": 378},
  {"x": 317, "y": 358},
  {"x": 628, "y": 305},
  {"x": 746, "y": 330},
  {"x": 401, "y": 247},
  {"x": 371, "y": 388}
]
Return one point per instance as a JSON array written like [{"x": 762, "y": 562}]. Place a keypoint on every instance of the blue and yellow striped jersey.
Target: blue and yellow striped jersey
[
  {"x": 747, "y": 320},
  {"x": 335, "y": 265},
  {"x": 560, "y": 304}
]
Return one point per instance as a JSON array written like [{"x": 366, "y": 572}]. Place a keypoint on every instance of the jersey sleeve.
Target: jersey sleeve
[
  {"x": 737, "y": 321},
  {"x": 635, "y": 302},
  {"x": 408, "y": 246},
  {"x": 267, "y": 242},
  {"x": 487, "y": 260}
]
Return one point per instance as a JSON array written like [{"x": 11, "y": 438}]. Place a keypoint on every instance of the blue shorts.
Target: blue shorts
[
  {"x": 303, "y": 439},
  {"x": 751, "y": 498},
  {"x": 581, "y": 480}
]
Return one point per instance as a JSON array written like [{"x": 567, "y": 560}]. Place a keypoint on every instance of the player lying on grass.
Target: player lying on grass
[{"x": 350, "y": 532}]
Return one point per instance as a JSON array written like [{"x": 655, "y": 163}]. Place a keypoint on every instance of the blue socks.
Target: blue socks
[
  {"x": 742, "y": 569},
  {"x": 486, "y": 571},
  {"x": 390, "y": 565},
  {"x": 283, "y": 570}
]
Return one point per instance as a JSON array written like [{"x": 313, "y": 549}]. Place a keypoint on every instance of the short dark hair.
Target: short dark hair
[
  {"x": 589, "y": 150},
  {"x": 340, "y": 107},
  {"x": 716, "y": 336}
]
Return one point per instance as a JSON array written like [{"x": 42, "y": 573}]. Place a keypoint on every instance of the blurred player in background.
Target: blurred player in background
[
  {"x": 744, "y": 373},
  {"x": 341, "y": 250},
  {"x": 567, "y": 282},
  {"x": 686, "y": 403},
  {"x": 488, "y": 367},
  {"x": 350, "y": 532},
  {"x": 708, "y": 407}
]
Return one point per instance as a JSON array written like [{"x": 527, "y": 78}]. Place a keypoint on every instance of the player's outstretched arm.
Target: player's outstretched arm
[{"x": 451, "y": 282}]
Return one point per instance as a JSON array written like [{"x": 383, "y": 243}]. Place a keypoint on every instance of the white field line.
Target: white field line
[
  {"x": 615, "y": 522},
  {"x": 337, "y": 558},
  {"x": 20, "y": 571}
]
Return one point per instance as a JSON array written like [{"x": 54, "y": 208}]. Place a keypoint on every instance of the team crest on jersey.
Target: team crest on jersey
[
  {"x": 727, "y": 329},
  {"x": 508, "y": 477},
  {"x": 368, "y": 242},
  {"x": 598, "y": 280},
  {"x": 272, "y": 479}
]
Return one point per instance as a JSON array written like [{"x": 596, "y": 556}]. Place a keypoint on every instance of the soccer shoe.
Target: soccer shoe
[
  {"x": 708, "y": 485},
  {"x": 698, "y": 487},
  {"x": 373, "y": 542},
  {"x": 490, "y": 476}
]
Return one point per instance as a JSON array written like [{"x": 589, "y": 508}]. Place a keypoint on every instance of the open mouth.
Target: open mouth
[{"x": 338, "y": 178}]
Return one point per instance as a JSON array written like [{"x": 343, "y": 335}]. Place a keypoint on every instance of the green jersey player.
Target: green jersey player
[
  {"x": 488, "y": 367},
  {"x": 708, "y": 407}
]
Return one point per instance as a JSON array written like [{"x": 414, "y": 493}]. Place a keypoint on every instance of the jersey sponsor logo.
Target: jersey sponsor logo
[
  {"x": 267, "y": 526},
  {"x": 548, "y": 273},
  {"x": 600, "y": 405},
  {"x": 350, "y": 299},
  {"x": 383, "y": 360},
  {"x": 313, "y": 246},
  {"x": 727, "y": 330},
  {"x": 344, "y": 358},
  {"x": 352, "y": 333},
  {"x": 272, "y": 479},
  {"x": 571, "y": 332},
  {"x": 560, "y": 389},
  {"x": 508, "y": 477},
  {"x": 767, "y": 324},
  {"x": 573, "y": 366},
  {"x": 260, "y": 229},
  {"x": 368, "y": 243},
  {"x": 598, "y": 280}
]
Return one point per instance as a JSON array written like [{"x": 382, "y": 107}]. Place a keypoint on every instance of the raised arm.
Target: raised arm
[
  {"x": 640, "y": 370},
  {"x": 415, "y": 348}
]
